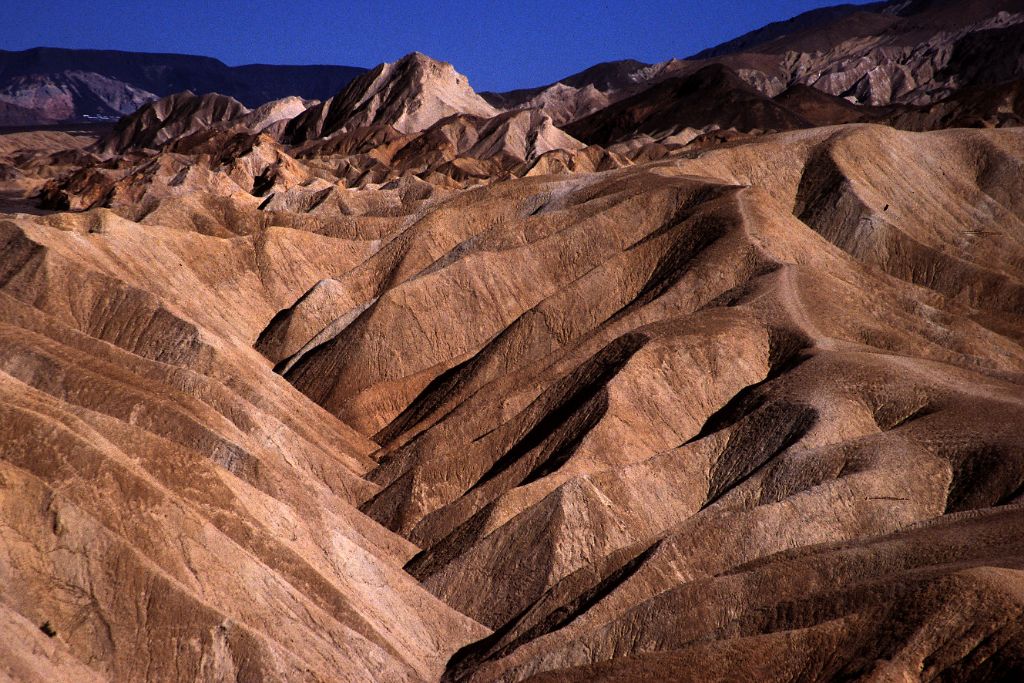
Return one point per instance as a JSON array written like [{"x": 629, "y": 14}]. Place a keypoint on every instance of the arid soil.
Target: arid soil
[{"x": 414, "y": 386}]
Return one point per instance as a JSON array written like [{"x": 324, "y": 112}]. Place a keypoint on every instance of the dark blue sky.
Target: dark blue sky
[{"x": 499, "y": 44}]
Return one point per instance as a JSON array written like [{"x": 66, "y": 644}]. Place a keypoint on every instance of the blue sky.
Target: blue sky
[{"x": 500, "y": 45}]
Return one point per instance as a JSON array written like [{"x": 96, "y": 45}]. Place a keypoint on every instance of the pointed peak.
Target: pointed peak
[
  {"x": 409, "y": 95},
  {"x": 418, "y": 57},
  {"x": 421, "y": 63}
]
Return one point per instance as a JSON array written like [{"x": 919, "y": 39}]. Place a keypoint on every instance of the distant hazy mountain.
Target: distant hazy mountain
[{"x": 51, "y": 85}]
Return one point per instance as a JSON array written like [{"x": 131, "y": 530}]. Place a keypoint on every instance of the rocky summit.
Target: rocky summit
[{"x": 707, "y": 370}]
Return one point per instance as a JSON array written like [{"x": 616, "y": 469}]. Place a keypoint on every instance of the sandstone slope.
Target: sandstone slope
[
  {"x": 721, "y": 410},
  {"x": 401, "y": 387},
  {"x": 170, "y": 508},
  {"x": 639, "y": 400},
  {"x": 409, "y": 95}
]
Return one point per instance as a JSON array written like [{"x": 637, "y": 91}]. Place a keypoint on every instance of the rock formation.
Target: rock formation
[
  {"x": 878, "y": 54},
  {"x": 409, "y": 95},
  {"x": 170, "y": 118},
  {"x": 715, "y": 97},
  {"x": 708, "y": 384}
]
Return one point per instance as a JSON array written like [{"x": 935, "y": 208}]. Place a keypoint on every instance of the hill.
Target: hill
[{"x": 704, "y": 370}]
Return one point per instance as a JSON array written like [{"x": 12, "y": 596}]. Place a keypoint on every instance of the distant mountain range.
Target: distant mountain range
[
  {"x": 906, "y": 52},
  {"x": 51, "y": 85}
]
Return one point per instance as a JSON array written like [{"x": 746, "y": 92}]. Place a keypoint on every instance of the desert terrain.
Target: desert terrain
[{"x": 707, "y": 370}]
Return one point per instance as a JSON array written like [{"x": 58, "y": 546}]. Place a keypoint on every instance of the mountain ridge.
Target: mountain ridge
[
  {"x": 28, "y": 79},
  {"x": 851, "y": 51}
]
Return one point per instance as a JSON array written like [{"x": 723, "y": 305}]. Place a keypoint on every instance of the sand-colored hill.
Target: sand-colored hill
[
  {"x": 564, "y": 459},
  {"x": 169, "y": 118},
  {"x": 386, "y": 96},
  {"x": 162, "y": 487},
  {"x": 705, "y": 385},
  {"x": 729, "y": 409}
]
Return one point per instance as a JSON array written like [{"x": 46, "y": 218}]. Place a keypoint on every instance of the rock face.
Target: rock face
[
  {"x": 409, "y": 95},
  {"x": 715, "y": 96},
  {"x": 877, "y": 54},
  {"x": 56, "y": 85},
  {"x": 170, "y": 118},
  {"x": 276, "y": 112},
  {"x": 894, "y": 67},
  {"x": 72, "y": 95},
  {"x": 720, "y": 412},
  {"x": 578, "y": 95},
  {"x": 982, "y": 106},
  {"x": 400, "y": 387}
]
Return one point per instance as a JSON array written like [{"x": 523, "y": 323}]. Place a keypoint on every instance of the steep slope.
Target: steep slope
[
  {"x": 938, "y": 584},
  {"x": 169, "y": 118},
  {"x": 789, "y": 32},
  {"x": 897, "y": 52},
  {"x": 712, "y": 97},
  {"x": 602, "y": 77},
  {"x": 658, "y": 380},
  {"x": 161, "y": 486},
  {"x": 576, "y": 96},
  {"x": 409, "y": 95}
]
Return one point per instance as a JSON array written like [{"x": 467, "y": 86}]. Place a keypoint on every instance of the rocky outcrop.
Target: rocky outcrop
[
  {"x": 714, "y": 97},
  {"x": 143, "y": 435},
  {"x": 168, "y": 119},
  {"x": 276, "y": 113},
  {"x": 409, "y": 95},
  {"x": 898, "y": 52},
  {"x": 566, "y": 463},
  {"x": 576, "y": 96},
  {"x": 552, "y": 425},
  {"x": 981, "y": 106},
  {"x": 69, "y": 96}
]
